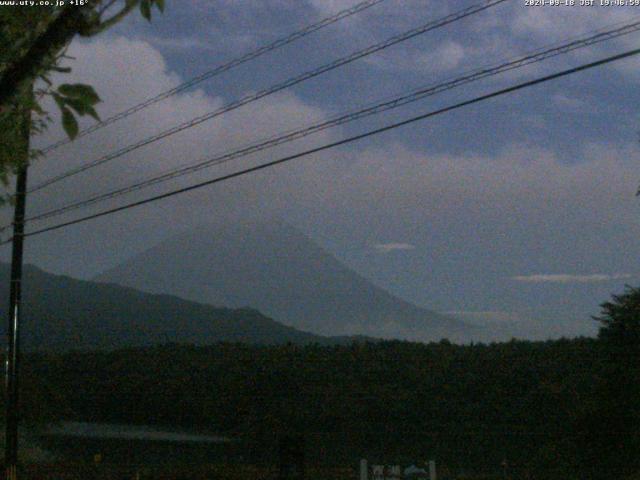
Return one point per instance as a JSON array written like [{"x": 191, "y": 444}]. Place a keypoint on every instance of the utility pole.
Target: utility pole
[{"x": 13, "y": 337}]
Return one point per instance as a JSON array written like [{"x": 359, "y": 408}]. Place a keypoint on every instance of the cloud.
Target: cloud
[
  {"x": 571, "y": 104},
  {"x": 554, "y": 23},
  {"x": 186, "y": 44},
  {"x": 392, "y": 247},
  {"x": 548, "y": 25},
  {"x": 483, "y": 316},
  {"x": 524, "y": 183},
  {"x": 124, "y": 72},
  {"x": 509, "y": 31},
  {"x": 440, "y": 58},
  {"x": 448, "y": 55},
  {"x": 569, "y": 278},
  {"x": 330, "y": 7},
  {"x": 387, "y": 13}
]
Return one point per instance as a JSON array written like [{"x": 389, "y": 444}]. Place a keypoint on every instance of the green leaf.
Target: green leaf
[
  {"x": 69, "y": 123},
  {"x": 80, "y": 91},
  {"x": 81, "y": 107},
  {"x": 78, "y": 105},
  {"x": 92, "y": 112},
  {"x": 145, "y": 9},
  {"x": 82, "y": 103},
  {"x": 160, "y": 5},
  {"x": 59, "y": 100}
]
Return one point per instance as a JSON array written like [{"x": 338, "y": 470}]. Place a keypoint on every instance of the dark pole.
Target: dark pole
[{"x": 13, "y": 338}]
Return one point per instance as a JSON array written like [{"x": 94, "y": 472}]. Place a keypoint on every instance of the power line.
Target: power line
[
  {"x": 414, "y": 96},
  {"x": 281, "y": 42},
  {"x": 276, "y": 88},
  {"x": 345, "y": 141}
]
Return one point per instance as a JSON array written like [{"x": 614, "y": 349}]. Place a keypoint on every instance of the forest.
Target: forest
[{"x": 566, "y": 407}]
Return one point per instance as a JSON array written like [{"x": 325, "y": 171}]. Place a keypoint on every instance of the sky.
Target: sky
[{"x": 519, "y": 209}]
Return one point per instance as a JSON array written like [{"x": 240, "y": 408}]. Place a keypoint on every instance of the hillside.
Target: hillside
[
  {"x": 63, "y": 313},
  {"x": 277, "y": 270}
]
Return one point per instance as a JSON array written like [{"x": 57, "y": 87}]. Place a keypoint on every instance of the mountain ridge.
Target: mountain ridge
[
  {"x": 270, "y": 266},
  {"x": 63, "y": 313}
]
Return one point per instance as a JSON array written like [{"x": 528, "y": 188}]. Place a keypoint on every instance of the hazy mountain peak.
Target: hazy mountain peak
[{"x": 270, "y": 266}]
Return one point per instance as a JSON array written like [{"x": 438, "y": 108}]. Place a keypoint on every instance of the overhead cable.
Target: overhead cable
[
  {"x": 345, "y": 141},
  {"x": 380, "y": 107},
  {"x": 454, "y": 17},
  {"x": 348, "y": 12}
]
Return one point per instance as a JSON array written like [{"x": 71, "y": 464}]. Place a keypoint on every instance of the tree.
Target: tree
[
  {"x": 34, "y": 43},
  {"x": 35, "y": 39},
  {"x": 610, "y": 428},
  {"x": 620, "y": 320}
]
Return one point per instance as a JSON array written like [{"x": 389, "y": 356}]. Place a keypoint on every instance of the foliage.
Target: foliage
[
  {"x": 79, "y": 98},
  {"x": 610, "y": 426},
  {"x": 620, "y": 319},
  {"x": 20, "y": 30},
  {"x": 469, "y": 406}
]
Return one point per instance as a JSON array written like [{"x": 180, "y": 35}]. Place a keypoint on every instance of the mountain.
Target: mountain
[
  {"x": 277, "y": 270},
  {"x": 62, "y": 313}
]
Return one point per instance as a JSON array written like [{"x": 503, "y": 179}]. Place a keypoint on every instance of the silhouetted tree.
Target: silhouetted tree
[{"x": 610, "y": 428}]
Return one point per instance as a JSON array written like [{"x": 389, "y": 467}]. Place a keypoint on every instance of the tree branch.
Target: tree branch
[{"x": 56, "y": 36}]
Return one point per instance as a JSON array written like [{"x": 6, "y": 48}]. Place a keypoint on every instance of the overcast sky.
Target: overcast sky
[{"x": 518, "y": 209}]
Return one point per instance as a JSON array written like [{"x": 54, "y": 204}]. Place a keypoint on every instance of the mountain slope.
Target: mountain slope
[
  {"x": 62, "y": 312},
  {"x": 274, "y": 268}
]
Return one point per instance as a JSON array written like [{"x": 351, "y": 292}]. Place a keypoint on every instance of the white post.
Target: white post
[
  {"x": 364, "y": 472},
  {"x": 432, "y": 470}
]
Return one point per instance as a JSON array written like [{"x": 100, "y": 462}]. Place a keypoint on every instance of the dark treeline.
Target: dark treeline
[
  {"x": 471, "y": 406},
  {"x": 561, "y": 409}
]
